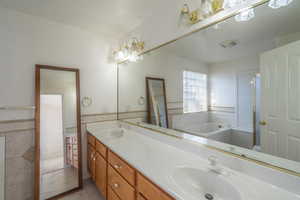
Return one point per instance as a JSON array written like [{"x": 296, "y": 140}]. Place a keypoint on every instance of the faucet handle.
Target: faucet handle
[{"x": 212, "y": 160}]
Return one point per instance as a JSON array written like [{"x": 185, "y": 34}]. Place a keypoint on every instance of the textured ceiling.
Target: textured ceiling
[
  {"x": 116, "y": 18},
  {"x": 254, "y": 37},
  {"x": 107, "y": 17}
]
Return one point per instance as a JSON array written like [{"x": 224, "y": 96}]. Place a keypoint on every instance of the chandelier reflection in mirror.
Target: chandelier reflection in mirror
[
  {"x": 130, "y": 51},
  {"x": 245, "y": 15},
  {"x": 279, "y": 3},
  {"x": 211, "y": 7}
]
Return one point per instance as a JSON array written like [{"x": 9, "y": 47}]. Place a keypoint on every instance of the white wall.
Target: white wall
[
  {"x": 229, "y": 87},
  {"x": 27, "y": 40},
  {"x": 157, "y": 64}
]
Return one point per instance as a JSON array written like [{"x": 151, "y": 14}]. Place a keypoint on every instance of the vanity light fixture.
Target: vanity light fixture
[
  {"x": 207, "y": 9},
  {"x": 130, "y": 51},
  {"x": 244, "y": 15},
  {"x": 191, "y": 16},
  {"x": 279, "y": 3}
]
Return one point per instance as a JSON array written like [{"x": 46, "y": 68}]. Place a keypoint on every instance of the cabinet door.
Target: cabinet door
[
  {"x": 100, "y": 175},
  {"x": 122, "y": 167},
  {"x": 119, "y": 185},
  {"x": 91, "y": 161},
  {"x": 140, "y": 197},
  {"x": 149, "y": 190},
  {"x": 111, "y": 195},
  {"x": 89, "y": 157}
]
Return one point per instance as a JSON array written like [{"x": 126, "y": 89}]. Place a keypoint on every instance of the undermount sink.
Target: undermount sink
[
  {"x": 205, "y": 185},
  {"x": 115, "y": 133}
]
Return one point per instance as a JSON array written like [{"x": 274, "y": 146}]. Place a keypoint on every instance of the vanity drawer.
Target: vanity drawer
[
  {"x": 149, "y": 190},
  {"x": 122, "y": 167},
  {"x": 111, "y": 195},
  {"x": 119, "y": 185},
  {"x": 91, "y": 139},
  {"x": 101, "y": 148}
]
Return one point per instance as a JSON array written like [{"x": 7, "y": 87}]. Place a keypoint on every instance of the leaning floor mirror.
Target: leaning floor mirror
[
  {"x": 58, "y": 131},
  {"x": 156, "y": 102}
]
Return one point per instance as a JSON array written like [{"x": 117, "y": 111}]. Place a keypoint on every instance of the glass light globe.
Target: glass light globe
[
  {"x": 133, "y": 57},
  {"x": 245, "y": 15},
  {"x": 232, "y": 3},
  {"x": 120, "y": 55},
  {"x": 279, "y": 3}
]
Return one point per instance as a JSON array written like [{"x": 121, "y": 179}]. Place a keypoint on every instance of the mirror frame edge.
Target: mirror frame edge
[
  {"x": 38, "y": 68},
  {"x": 160, "y": 45}
]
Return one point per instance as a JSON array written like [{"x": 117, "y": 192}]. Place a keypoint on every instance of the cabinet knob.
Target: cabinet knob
[
  {"x": 116, "y": 185},
  {"x": 117, "y": 166}
]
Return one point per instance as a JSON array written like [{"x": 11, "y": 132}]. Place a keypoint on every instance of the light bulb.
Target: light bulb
[
  {"x": 232, "y": 3},
  {"x": 133, "y": 57},
  {"x": 120, "y": 55},
  {"x": 279, "y": 3},
  {"x": 245, "y": 15}
]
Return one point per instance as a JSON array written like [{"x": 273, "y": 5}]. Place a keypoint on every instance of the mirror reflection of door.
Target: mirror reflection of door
[
  {"x": 58, "y": 139},
  {"x": 52, "y": 141},
  {"x": 157, "y": 106},
  {"x": 280, "y": 116}
]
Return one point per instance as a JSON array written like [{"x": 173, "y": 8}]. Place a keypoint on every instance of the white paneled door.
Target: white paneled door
[{"x": 280, "y": 103}]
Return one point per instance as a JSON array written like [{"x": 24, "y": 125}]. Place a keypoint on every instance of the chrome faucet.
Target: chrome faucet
[{"x": 213, "y": 162}]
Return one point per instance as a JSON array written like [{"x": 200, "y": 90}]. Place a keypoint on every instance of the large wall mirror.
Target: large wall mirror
[
  {"x": 235, "y": 85},
  {"x": 58, "y": 132}
]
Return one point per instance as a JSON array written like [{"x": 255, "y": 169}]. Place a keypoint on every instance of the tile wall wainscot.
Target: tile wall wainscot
[
  {"x": 174, "y": 108},
  {"x": 20, "y": 150},
  {"x": 19, "y": 156}
]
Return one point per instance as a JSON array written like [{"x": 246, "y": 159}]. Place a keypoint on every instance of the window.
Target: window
[{"x": 194, "y": 92}]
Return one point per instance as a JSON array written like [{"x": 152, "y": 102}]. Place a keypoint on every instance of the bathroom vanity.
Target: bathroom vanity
[
  {"x": 115, "y": 178},
  {"x": 129, "y": 162}
]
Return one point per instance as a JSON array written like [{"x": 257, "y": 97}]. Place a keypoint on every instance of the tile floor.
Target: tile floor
[
  {"x": 56, "y": 182},
  {"x": 89, "y": 192}
]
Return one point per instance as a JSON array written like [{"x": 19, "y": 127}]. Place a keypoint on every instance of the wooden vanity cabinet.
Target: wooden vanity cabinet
[
  {"x": 125, "y": 170},
  {"x": 101, "y": 174},
  {"x": 140, "y": 197},
  {"x": 116, "y": 179},
  {"x": 91, "y": 139},
  {"x": 112, "y": 195},
  {"x": 90, "y": 151},
  {"x": 101, "y": 149},
  {"x": 148, "y": 191},
  {"x": 119, "y": 185},
  {"x": 91, "y": 161}
]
